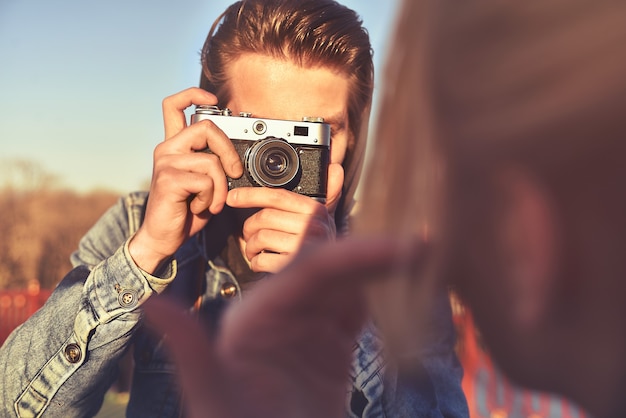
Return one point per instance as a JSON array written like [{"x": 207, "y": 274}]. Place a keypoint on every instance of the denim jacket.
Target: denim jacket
[{"x": 64, "y": 358}]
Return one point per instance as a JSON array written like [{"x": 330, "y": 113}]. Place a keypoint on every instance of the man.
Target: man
[{"x": 204, "y": 245}]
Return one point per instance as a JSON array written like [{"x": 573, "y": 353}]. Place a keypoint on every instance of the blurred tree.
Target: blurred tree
[
  {"x": 41, "y": 224},
  {"x": 25, "y": 175},
  {"x": 10, "y": 215}
]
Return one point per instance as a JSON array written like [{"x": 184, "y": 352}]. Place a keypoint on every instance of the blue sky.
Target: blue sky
[{"x": 81, "y": 81}]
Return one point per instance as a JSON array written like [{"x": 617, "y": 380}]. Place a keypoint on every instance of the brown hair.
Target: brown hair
[
  {"x": 538, "y": 83},
  {"x": 311, "y": 33},
  {"x": 399, "y": 181},
  {"x": 474, "y": 87}
]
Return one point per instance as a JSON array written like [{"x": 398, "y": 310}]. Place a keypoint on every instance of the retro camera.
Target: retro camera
[{"x": 276, "y": 153}]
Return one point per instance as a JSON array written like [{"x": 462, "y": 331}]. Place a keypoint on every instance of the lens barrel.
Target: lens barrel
[{"x": 272, "y": 162}]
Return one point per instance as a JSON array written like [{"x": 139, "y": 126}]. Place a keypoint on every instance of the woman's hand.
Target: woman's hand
[{"x": 285, "y": 350}]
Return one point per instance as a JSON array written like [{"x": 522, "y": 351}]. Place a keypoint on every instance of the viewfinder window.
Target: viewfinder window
[{"x": 301, "y": 131}]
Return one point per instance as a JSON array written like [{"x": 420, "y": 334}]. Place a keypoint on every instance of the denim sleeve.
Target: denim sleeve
[
  {"x": 435, "y": 382},
  {"x": 432, "y": 388},
  {"x": 62, "y": 360}
]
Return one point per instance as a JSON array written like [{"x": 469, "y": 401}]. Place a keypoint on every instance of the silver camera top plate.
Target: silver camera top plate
[{"x": 247, "y": 127}]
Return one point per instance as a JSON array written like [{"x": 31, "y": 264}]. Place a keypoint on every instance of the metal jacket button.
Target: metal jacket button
[
  {"x": 127, "y": 298},
  {"x": 228, "y": 290},
  {"x": 73, "y": 353}
]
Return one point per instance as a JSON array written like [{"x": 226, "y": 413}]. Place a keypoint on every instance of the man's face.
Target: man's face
[{"x": 277, "y": 89}]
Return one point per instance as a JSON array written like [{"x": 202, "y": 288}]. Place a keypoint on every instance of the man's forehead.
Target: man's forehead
[{"x": 275, "y": 88}]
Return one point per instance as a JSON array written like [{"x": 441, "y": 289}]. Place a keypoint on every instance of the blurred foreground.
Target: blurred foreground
[
  {"x": 489, "y": 393},
  {"x": 41, "y": 226}
]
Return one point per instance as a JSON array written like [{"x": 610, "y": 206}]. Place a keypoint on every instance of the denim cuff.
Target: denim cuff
[
  {"x": 117, "y": 287},
  {"x": 160, "y": 279}
]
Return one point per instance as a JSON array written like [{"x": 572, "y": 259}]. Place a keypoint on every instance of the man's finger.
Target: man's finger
[
  {"x": 266, "y": 197},
  {"x": 174, "y": 118},
  {"x": 335, "y": 185}
]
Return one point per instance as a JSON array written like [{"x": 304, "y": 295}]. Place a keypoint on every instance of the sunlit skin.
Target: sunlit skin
[{"x": 268, "y": 88}]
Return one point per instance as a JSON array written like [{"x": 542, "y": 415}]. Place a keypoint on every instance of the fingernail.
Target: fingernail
[
  {"x": 215, "y": 209},
  {"x": 231, "y": 198},
  {"x": 237, "y": 169}
]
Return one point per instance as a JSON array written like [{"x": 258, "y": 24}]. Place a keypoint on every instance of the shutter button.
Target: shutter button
[
  {"x": 73, "y": 353},
  {"x": 127, "y": 298},
  {"x": 228, "y": 290}
]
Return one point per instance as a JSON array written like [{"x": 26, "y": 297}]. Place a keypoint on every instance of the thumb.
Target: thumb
[{"x": 335, "y": 185}]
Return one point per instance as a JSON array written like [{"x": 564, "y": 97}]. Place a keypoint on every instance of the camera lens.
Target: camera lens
[
  {"x": 272, "y": 162},
  {"x": 275, "y": 163}
]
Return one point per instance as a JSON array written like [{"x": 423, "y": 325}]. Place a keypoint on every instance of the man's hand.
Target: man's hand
[
  {"x": 286, "y": 221},
  {"x": 187, "y": 186},
  {"x": 286, "y": 349}
]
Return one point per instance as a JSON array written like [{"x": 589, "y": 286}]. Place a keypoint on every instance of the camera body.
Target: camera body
[{"x": 276, "y": 153}]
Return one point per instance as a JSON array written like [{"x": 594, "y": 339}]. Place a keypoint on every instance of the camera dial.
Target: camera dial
[{"x": 259, "y": 127}]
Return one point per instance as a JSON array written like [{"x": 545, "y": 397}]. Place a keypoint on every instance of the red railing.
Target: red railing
[
  {"x": 489, "y": 393},
  {"x": 17, "y": 305}
]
